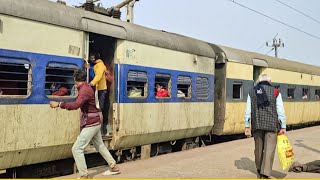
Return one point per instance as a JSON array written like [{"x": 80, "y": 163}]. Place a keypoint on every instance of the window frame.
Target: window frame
[
  {"x": 146, "y": 84},
  {"x": 18, "y": 62},
  {"x": 241, "y": 90},
  {"x": 61, "y": 64},
  {"x": 189, "y": 88},
  {"x": 202, "y": 77},
  {"x": 294, "y": 90},
  {"x": 169, "y": 88},
  {"x": 308, "y": 93}
]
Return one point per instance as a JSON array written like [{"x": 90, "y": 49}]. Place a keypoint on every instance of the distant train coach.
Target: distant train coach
[{"x": 237, "y": 72}]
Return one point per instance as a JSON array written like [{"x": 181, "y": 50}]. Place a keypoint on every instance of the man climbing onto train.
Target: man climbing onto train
[
  {"x": 265, "y": 117},
  {"x": 90, "y": 125},
  {"x": 99, "y": 81}
]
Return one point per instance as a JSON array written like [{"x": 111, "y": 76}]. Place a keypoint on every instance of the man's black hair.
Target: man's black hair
[
  {"x": 96, "y": 55},
  {"x": 80, "y": 75}
]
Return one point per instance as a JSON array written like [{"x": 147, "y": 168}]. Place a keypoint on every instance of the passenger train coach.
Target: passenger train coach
[
  {"x": 42, "y": 43},
  {"x": 237, "y": 71}
]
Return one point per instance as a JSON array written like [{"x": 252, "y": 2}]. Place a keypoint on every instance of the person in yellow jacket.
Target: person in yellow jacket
[{"x": 99, "y": 81}]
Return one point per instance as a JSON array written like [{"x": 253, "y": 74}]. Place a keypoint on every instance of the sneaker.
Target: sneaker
[
  {"x": 112, "y": 171},
  {"x": 83, "y": 177}
]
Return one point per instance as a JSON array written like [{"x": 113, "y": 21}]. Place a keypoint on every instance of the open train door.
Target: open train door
[
  {"x": 104, "y": 46},
  {"x": 102, "y": 37}
]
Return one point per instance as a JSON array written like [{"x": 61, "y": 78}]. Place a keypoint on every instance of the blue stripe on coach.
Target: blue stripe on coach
[
  {"x": 151, "y": 72},
  {"x": 38, "y": 65},
  {"x": 40, "y": 61}
]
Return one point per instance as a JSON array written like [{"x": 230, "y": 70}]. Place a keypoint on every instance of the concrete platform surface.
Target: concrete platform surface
[{"x": 233, "y": 159}]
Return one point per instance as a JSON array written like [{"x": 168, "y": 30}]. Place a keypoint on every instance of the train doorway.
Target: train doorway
[{"x": 104, "y": 46}]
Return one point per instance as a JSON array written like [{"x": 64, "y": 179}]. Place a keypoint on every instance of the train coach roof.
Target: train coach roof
[
  {"x": 246, "y": 57},
  {"x": 65, "y": 16}
]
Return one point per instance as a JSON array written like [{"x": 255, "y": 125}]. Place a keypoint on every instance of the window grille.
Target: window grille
[
  {"x": 15, "y": 77},
  {"x": 59, "y": 79},
  {"x": 163, "y": 80},
  {"x": 137, "y": 84},
  {"x": 184, "y": 87},
  {"x": 202, "y": 88}
]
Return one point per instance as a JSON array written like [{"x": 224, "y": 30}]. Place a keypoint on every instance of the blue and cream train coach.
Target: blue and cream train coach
[{"x": 42, "y": 43}]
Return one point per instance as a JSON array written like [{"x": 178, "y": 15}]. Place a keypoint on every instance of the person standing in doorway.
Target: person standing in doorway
[
  {"x": 90, "y": 125},
  {"x": 99, "y": 81},
  {"x": 265, "y": 117}
]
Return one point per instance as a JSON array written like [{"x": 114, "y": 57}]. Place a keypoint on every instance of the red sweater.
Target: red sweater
[
  {"x": 61, "y": 92},
  {"x": 86, "y": 102},
  {"x": 162, "y": 93}
]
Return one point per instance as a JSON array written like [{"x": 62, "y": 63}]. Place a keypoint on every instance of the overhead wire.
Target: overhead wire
[
  {"x": 260, "y": 47},
  {"x": 269, "y": 17},
  {"x": 308, "y": 16},
  {"x": 269, "y": 51}
]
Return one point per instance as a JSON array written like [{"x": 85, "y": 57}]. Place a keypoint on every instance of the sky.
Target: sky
[{"x": 225, "y": 23}]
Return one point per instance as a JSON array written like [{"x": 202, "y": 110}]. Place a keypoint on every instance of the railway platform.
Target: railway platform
[{"x": 233, "y": 159}]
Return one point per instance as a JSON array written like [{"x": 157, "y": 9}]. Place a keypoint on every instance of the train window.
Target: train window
[
  {"x": 202, "y": 88},
  {"x": 317, "y": 94},
  {"x": 277, "y": 86},
  {"x": 290, "y": 93},
  {"x": 59, "y": 79},
  {"x": 137, "y": 84},
  {"x": 305, "y": 93},
  {"x": 162, "y": 85},
  {"x": 237, "y": 90},
  {"x": 184, "y": 87},
  {"x": 15, "y": 77}
]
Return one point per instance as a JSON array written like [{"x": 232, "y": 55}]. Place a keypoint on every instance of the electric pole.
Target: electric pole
[{"x": 275, "y": 45}]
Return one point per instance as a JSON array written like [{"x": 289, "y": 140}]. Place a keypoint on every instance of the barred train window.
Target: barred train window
[
  {"x": 237, "y": 90},
  {"x": 163, "y": 85},
  {"x": 59, "y": 79},
  {"x": 317, "y": 94},
  {"x": 202, "y": 88},
  {"x": 305, "y": 93},
  {"x": 184, "y": 87},
  {"x": 137, "y": 84},
  {"x": 290, "y": 93},
  {"x": 15, "y": 77}
]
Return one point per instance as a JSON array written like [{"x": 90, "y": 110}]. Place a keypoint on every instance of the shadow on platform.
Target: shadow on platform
[
  {"x": 249, "y": 165},
  {"x": 301, "y": 144}
]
